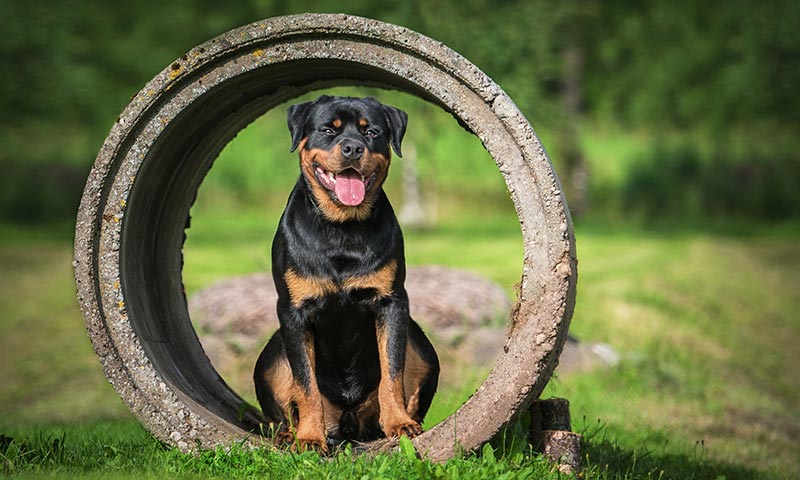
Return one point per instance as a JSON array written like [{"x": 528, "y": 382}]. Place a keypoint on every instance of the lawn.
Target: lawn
[{"x": 706, "y": 324}]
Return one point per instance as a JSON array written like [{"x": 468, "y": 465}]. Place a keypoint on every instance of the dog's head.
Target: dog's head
[{"x": 344, "y": 151}]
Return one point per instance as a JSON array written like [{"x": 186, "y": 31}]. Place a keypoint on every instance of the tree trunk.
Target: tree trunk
[
  {"x": 574, "y": 162},
  {"x": 412, "y": 213}
]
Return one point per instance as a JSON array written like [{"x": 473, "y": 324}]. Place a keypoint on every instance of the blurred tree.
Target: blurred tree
[
  {"x": 724, "y": 72},
  {"x": 71, "y": 68},
  {"x": 536, "y": 49},
  {"x": 698, "y": 64}
]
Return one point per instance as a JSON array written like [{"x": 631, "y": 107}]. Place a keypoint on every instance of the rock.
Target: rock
[
  {"x": 482, "y": 346},
  {"x": 235, "y": 316},
  {"x": 463, "y": 313},
  {"x": 582, "y": 357},
  {"x": 442, "y": 297},
  {"x": 242, "y": 306}
]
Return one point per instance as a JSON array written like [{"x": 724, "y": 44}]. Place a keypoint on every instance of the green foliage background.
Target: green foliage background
[
  {"x": 705, "y": 91},
  {"x": 677, "y": 113}
]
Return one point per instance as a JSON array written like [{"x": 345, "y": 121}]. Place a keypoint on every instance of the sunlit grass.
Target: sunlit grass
[{"x": 705, "y": 325}]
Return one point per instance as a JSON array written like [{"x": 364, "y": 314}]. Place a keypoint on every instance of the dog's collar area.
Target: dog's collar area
[{"x": 313, "y": 202}]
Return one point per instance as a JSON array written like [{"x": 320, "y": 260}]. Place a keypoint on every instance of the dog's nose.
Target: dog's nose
[{"x": 352, "y": 149}]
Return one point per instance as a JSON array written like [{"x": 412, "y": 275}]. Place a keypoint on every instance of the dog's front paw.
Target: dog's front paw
[
  {"x": 410, "y": 429},
  {"x": 284, "y": 438},
  {"x": 299, "y": 443},
  {"x": 311, "y": 444}
]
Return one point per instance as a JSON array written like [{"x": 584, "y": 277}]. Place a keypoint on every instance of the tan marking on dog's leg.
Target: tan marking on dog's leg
[
  {"x": 332, "y": 415},
  {"x": 281, "y": 383},
  {"x": 394, "y": 419},
  {"x": 311, "y": 423},
  {"x": 413, "y": 375},
  {"x": 370, "y": 407}
]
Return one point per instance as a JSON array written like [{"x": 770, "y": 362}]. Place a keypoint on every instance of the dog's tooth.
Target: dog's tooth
[{"x": 332, "y": 177}]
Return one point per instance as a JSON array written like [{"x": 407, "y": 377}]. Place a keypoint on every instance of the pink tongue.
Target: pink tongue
[{"x": 349, "y": 188}]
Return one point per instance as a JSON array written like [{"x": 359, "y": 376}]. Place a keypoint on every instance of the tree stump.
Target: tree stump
[
  {"x": 551, "y": 434},
  {"x": 563, "y": 449}
]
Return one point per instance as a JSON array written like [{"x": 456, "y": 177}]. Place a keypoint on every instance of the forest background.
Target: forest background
[{"x": 673, "y": 127}]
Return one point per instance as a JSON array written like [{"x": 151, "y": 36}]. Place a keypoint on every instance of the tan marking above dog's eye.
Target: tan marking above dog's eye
[{"x": 337, "y": 122}]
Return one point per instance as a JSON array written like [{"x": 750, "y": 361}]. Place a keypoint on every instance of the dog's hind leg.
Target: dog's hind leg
[
  {"x": 421, "y": 373},
  {"x": 274, "y": 383},
  {"x": 283, "y": 399}
]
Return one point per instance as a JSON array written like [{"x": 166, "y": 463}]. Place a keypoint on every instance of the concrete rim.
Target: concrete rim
[{"x": 130, "y": 226}]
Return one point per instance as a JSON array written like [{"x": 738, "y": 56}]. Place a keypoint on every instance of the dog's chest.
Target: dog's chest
[{"x": 342, "y": 278}]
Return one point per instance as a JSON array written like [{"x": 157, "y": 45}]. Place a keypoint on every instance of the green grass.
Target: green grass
[
  {"x": 706, "y": 323},
  {"x": 48, "y": 372},
  {"x": 122, "y": 449}
]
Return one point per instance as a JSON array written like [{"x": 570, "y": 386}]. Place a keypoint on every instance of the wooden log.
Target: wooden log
[
  {"x": 563, "y": 449},
  {"x": 550, "y": 434},
  {"x": 535, "y": 432},
  {"x": 555, "y": 414},
  {"x": 548, "y": 414}
]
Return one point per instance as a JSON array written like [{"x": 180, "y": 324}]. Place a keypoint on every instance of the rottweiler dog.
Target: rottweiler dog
[{"x": 347, "y": 363}]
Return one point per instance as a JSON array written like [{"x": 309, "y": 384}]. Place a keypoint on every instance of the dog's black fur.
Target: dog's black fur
[{"x": 348, "y": 362}]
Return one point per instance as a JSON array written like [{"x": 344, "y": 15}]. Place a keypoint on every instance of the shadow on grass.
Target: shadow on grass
[{"x": 606, "y": 459}]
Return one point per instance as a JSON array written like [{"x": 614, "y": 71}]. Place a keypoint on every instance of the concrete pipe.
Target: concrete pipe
[{"x": 134, "y": 211}]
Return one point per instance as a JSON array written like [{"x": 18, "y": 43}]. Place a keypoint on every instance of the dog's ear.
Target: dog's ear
[
  {"x": 296, "y": 117},
  {"x": 397, "y": 120}
]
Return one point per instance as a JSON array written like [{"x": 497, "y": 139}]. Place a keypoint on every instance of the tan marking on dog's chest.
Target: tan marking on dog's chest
[
  {"x": 381, "y": 280},
  {"x": 302, "y": 288}
]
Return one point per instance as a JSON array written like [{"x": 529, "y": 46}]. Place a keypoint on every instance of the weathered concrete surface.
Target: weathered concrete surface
[{"x": 130, "y": 225}]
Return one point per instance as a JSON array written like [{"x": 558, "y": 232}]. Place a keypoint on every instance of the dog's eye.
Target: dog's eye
[
  {"x": 372, "y": 133},
  {"x": 327, "y": 131}
]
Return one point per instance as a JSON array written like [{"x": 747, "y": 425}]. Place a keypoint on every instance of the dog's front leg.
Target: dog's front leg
[
  {"x": 298, "y": 339},
  {"x": 392, "y": 335}
]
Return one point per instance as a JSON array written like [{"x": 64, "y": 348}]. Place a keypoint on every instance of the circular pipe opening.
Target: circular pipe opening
[{"x": 135, "y": 209}]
